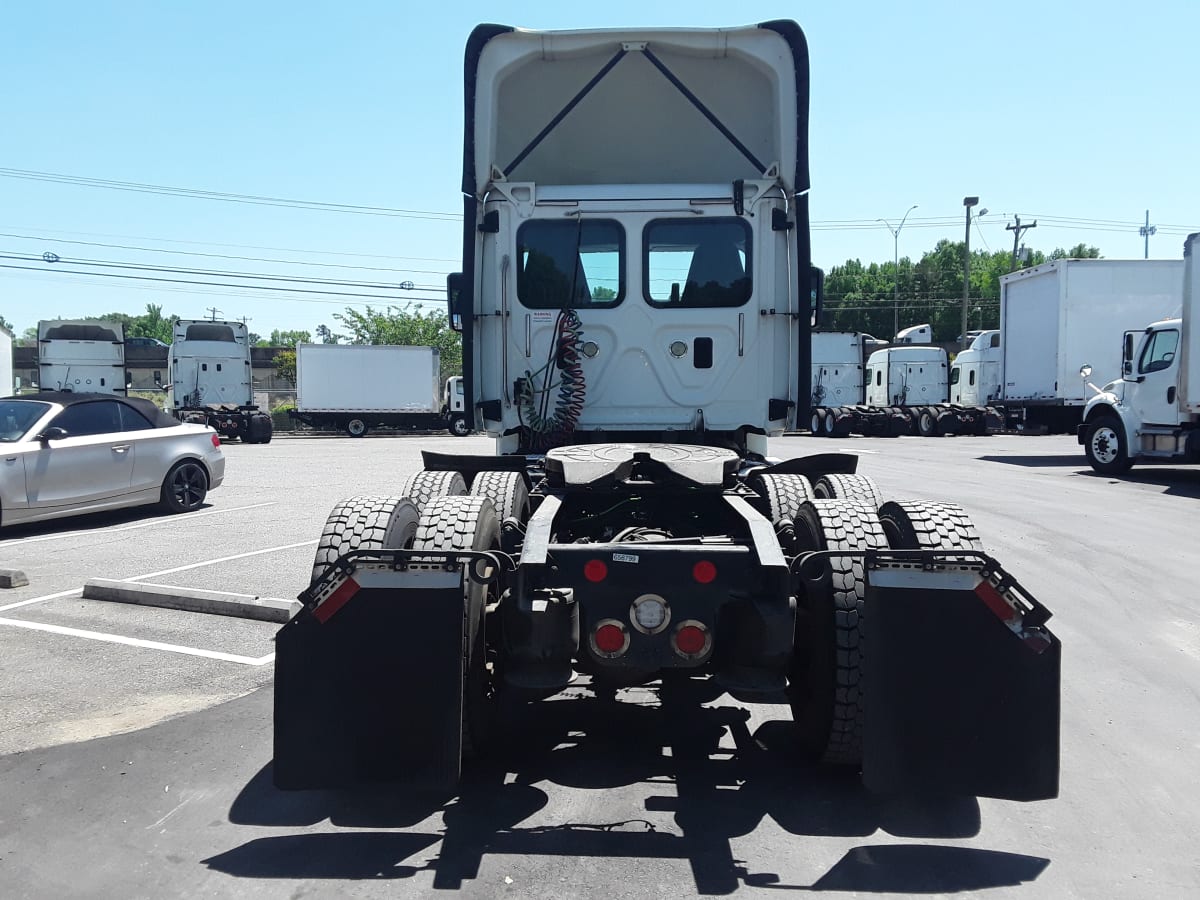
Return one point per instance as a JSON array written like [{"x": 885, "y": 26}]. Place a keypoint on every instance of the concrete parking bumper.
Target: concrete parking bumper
[
  {"x": 12, "y": 578},
  {"x": 218, "y": 603}
]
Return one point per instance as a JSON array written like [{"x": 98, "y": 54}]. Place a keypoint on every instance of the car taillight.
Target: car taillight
[
  {"x": 610, "y": 638},
  {"x": 691, "y": 639},
  {"x": 704, "y": 572},
  {"x": 216, "y": 439},
  {"x": 595, "y": 571}
]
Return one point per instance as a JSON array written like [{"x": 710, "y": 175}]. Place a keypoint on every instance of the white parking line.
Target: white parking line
[
  {"x": 213, "y": 562},
  {"x": 58, "y": 536},
  {"x": 137, "y": 642},
  {"x": 41, "y": 599}
]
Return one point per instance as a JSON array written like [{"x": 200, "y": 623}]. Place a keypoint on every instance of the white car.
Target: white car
[{"x": 63, "y": 454}]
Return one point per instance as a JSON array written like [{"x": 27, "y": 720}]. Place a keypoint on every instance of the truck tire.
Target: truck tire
[
  {"x": 898, "y": 424},
  {"x": 926, "y": 525},
  {"x": 926, "y": 422},
  {"x": 459, "y": 427},
  {"x": 468, "y": 523},
  {"x": 825, "y": 684},
  {"x": 184, "y": 488},
  {"x": 357, "y": 427},
  {"x": 838, "y": 423},
  {"x": 425, "y": 486},
  {"x": 365, "y": 523},
  {"x": 259, "y": 429},
  {"x": 848, "y": 487},
  {"x": 1105, "y": 445},
  {"x": 817, "y": 423},
  {"x": 784, "y": 493},
  {"x": 948, "y": 424},
  {"x": 507, "y": 491}
]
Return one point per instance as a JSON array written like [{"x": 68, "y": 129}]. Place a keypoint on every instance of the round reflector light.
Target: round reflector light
[
  {"x": 609, "y": 638},
  {"x": 704, "y": 572},
  {"x": 594, "y": 570},
  {"x": 690, "y": 639},
  {"x": 650, "y": 613}
]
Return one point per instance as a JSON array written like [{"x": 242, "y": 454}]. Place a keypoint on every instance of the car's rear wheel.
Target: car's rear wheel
[{"x": 185, "y": 487}]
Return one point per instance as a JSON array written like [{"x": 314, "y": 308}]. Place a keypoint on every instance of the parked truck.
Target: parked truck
[
  {"x": 212, "y": 379},
  {"x": 905, "y": 390},
  {"x": 358, "y": 387},
  {"x": 1057, "y": 316},
  {"x": 81, "y": 355},
  {"x": 975, "y": 372},
  {"x": 635, "y": 326},
  {"x": 1151, "y": 413}
]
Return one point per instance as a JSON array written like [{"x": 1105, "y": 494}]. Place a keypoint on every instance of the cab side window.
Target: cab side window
[{"x": 1159, "y": 352}]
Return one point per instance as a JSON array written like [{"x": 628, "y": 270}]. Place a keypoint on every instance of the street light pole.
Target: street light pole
[
  {"x": 896, "y": 272},
  {"x": 968, "y": 202}
]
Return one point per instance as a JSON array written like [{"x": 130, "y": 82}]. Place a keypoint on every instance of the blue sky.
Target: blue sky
[{"x": 1052, "y": 109}]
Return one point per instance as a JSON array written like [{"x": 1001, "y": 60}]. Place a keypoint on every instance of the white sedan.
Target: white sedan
[{"x": 63, "y": 454}]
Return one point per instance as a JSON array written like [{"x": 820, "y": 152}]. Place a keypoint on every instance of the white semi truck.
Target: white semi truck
[
  {"x": 635, "y": 303},
  {"x": 1151, "y": 413},
  {"x": 81, "y": 355},
  {"x": 1057, "y": 316},
  {"x": 212, "y": 379},
  {"x": 904, "y": 390},
  {"x": 975, "y": 372},
  {"x": 358, "y": 387}
]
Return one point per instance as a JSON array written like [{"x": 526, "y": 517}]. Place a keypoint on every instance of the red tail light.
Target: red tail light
[
  {"x": 595, "y": 571},
  {"x": 691, "y": 639},
  {"x": 704, "y": 572},
  {"x": 610, "y": 638},
  {"x": 216, "y": 439}
]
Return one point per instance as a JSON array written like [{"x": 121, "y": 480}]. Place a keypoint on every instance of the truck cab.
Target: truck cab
[
  {"x": 1153, "y": 411},
  {"x": 915, "y": 334},
  {"x": 907, "y": 376},
  {"x": 975, "y": 372}
]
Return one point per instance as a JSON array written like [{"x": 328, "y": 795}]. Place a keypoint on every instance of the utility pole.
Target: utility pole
[
  {"x": 212, "y": 310},
  {"x": 1148, "y": 231},
  {"x": 968, "y": 202},
  {"x": 1017, "y": 230},
  {"x": 896, "y": 272}
]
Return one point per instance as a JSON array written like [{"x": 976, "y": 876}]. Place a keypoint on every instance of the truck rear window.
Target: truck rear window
[
  {"x": 570, "y": 264},
  {"x": 692, "y": 263},
  {"x": 210, "y": 332}
]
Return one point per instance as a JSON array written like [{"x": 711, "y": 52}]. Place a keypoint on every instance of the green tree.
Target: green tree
[
  {"x": 285, "y": 364},
  {"x": 326, "y": 335},
  {"x": 399, "y": 326},
  {"x": 600, "y": 292},
  {"x": 289, "y": 338},
  {"x": 4, "y": 323},
  {"x": 1079, "y": 251}
]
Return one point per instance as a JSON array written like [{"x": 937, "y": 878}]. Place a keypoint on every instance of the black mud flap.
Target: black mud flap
[
  {"x": 369, "y": 685},
  {"x": 961, "y": 691}
]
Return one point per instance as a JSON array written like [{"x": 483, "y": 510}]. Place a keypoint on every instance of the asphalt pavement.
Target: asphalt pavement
[{"x": 136, "y": 741}]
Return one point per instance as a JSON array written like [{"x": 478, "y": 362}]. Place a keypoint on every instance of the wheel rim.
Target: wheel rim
[
  {"x": 188, "y": 486},
  {"x": 815, "y": 425},
  {"x": 356, "y": 427},
  {"x": 460, "y": 426},
  {"x": 1106, "y": 446}
]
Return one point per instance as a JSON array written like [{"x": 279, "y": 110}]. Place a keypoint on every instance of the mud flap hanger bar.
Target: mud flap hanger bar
[
  {"x": 998, "y": 590},
  {"x": 668, "y": 74},
  {"x": 475, "y": 562}
]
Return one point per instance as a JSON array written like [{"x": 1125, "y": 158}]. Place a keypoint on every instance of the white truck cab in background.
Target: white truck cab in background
[
  {"x": 916, "y": 334},
  {"x": 81, "y": 355},
  {"x": 975, "y": 373},
  {"x": 1152, "y": 412}
]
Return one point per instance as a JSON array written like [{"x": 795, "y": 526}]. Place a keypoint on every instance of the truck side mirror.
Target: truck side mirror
[
  {"x": 1127, "y": 355},
  {"x": 1085, "y": 371},
  {"x": 816, "y": 287},
  {"x": 454, "y": 291}
]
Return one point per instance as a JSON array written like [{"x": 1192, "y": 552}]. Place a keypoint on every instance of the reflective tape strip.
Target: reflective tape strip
[
  {"x": 996, "y": 603},
  {"x": 336, "y": 600}
]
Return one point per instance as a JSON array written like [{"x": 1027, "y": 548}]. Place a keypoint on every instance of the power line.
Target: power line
[{"x": 254, "y": 199}]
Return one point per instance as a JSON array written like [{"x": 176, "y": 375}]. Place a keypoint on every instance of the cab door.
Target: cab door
[{"x": 1158, "y": 378}]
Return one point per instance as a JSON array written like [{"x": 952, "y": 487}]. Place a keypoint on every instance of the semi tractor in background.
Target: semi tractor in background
[
  {"x": 212, "y": 380},
  {"x": 897, "y": 390},
  {"x": 1062, "y": 314},
  {"x": 1151, "y": 411},
  {"x": 81, "y": 355},
  {"x": 358, "y": 387},
  {"x": 636, "y": 329}
]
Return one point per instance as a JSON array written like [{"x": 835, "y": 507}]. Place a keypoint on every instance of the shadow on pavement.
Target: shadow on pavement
[
  {"x": 715, "y": 793},
  {"x": 1042, "y": 461}
]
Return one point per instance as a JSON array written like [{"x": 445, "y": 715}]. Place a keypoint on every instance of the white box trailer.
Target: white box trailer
[
  {"x": 1060, "y": 315},
  {"x": 81, "y": 355},
  {"x": 357, "y": 387}
]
